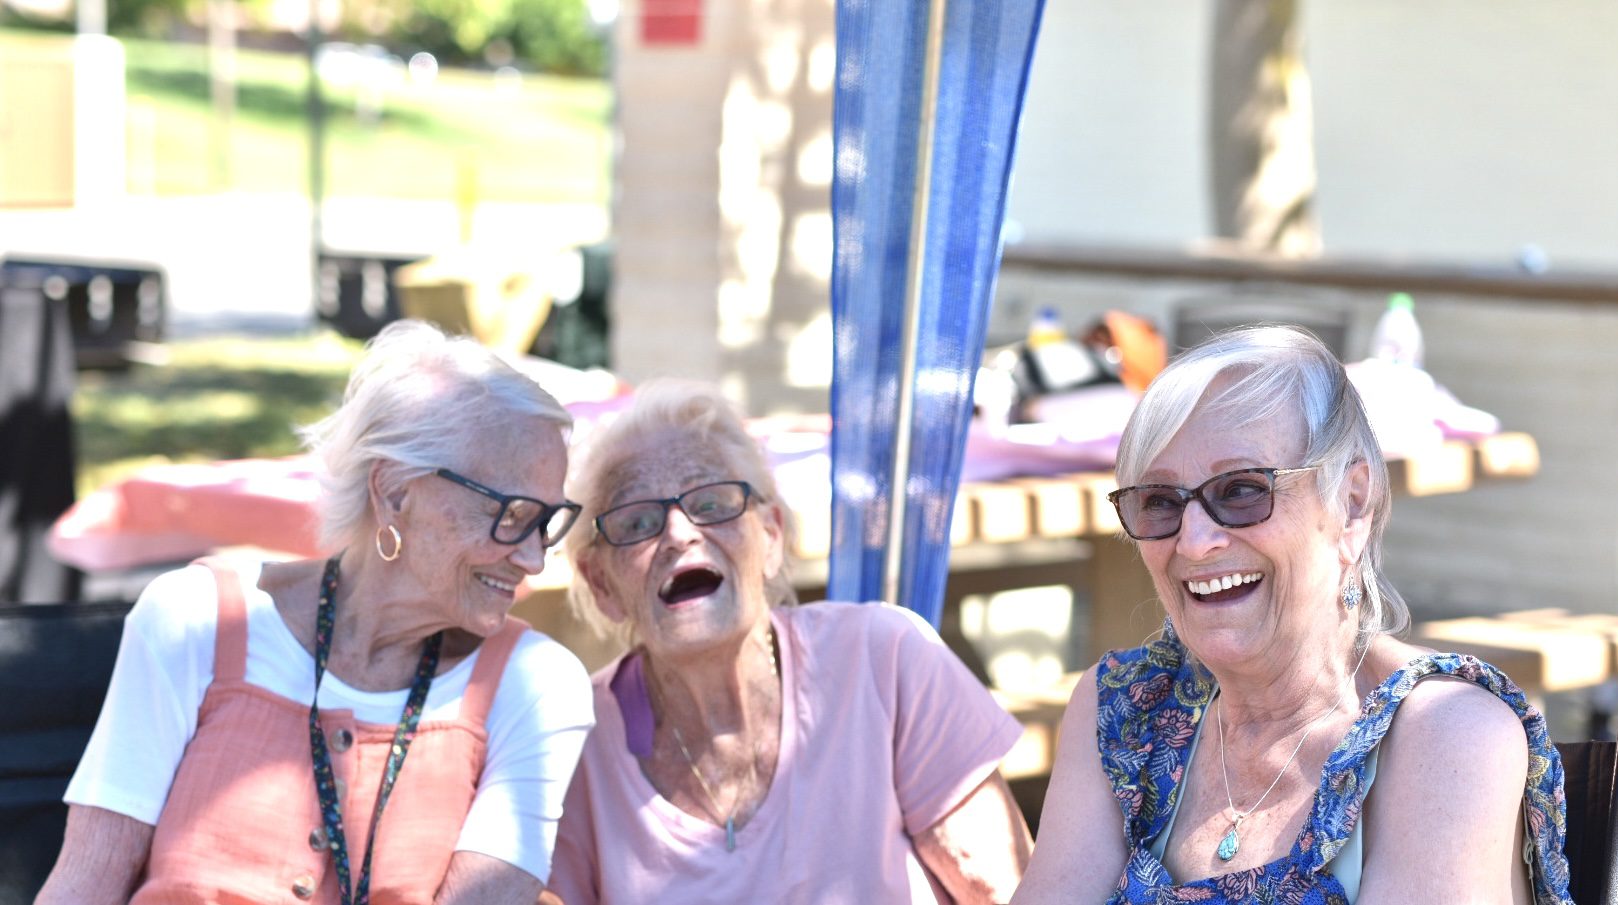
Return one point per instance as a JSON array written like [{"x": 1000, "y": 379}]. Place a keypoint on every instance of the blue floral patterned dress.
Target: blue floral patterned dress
[{"x": 1150, "y": 701}]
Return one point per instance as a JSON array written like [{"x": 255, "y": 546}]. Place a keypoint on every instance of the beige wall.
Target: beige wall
[
  {"x": 721, "y": 216},
  {"x": 61, "y": 120},
  {"x": 1450, "y": 129},
  {"x": 36, "y": 123}
]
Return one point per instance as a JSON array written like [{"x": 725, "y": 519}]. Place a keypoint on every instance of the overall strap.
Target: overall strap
[
  {"x": 230, "y": 637},
  {"x": 491, "y": 665}
]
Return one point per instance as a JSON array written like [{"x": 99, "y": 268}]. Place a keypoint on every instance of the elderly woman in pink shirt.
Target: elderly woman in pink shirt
[
  {"x": 371, "y": 727},
  {"x": 748, "y": 749}
]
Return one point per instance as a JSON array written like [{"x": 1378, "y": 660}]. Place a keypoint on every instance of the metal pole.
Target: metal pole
[
  {"x": 90, "y": 17},
  {"x": 317, "y": 152},
  {"x": 915, "y": 266},
  {"x": 222, "y": 89}
]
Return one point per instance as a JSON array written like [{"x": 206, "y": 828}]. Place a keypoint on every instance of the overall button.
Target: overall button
[
  {"x": 317, "y": 839},
  {"x": 304, "y": 887},
  {"x": 342, "y": 740}
]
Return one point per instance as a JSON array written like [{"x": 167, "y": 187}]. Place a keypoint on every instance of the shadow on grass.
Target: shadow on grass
[{"x": 199, "y": 413}]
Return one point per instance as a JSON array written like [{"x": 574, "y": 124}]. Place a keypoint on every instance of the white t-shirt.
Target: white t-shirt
[{"x": 536, "y": 725}]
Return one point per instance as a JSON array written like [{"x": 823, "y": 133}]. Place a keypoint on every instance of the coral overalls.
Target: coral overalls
[{"x": 242, "y": 820}]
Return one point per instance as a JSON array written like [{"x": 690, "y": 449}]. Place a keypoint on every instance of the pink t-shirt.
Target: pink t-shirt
[{"x": 883, "y": 733}]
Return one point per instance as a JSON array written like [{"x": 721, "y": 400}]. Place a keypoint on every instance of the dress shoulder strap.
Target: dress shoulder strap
[
  {"x": 230, "y": 637},
  {"x": 493, "y": 655},
  {"x": 1149, "y": 702},
  {"x": 1344, "y": 773}
]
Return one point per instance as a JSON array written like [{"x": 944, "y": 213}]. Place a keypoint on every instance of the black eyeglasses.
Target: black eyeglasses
[
  {"x": 1235, "y": 499},
  {"x": 641, "y": 520},
  {"x": 520, "y": 516}
]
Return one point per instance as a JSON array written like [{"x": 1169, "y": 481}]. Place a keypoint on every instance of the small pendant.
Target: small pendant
[
  {"x": 730, "y": 835},
  {"x": 1230, "y": 845}
]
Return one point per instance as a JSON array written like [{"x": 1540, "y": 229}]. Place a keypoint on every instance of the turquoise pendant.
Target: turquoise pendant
[
  {"x": 730, "y": 835},
  {"x": 1230, "y": 845}
]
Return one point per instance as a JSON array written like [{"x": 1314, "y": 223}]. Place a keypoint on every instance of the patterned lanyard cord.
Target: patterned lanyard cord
[{"x": 325, "y": 784}]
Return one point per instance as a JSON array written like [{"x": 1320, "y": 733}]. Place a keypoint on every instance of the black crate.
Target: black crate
[
  {"x": 109, "y": 304},
  {"x": 355, "y": 292}
]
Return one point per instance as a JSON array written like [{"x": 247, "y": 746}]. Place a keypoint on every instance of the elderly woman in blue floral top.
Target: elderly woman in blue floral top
[{"x": 1277, "y": 743}]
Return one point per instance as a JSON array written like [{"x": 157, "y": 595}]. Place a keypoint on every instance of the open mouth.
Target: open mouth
[
  {"x": 690, "y": 584},
  {"x": 1225, "y": 587}
]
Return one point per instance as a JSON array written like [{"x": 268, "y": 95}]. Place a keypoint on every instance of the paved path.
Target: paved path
[{"x": 242, "y": 262}]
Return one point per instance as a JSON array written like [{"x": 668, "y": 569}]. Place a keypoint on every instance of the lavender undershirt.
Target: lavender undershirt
[{"x": 629, "y": 688}]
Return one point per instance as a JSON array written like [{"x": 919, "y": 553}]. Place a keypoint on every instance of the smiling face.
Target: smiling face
[
  {"x": 1268, "y": 589},
  {"x": 692, "y": 587},
  {"x": 470, "y": 578}
]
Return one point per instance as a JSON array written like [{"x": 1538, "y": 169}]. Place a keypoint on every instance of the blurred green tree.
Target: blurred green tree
[{"x": 556, "y": 36}]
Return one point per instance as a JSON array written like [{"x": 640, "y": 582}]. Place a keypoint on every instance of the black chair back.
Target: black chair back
[
  {"x": 1589, "y": 769},
  {"x": 36, "y": 441},
  {"x": 56, "y": 660}
]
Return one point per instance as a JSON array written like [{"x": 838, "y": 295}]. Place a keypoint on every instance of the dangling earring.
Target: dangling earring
[
  {"x": 1352, "y": 595},
  {"x": 398, "y": 544}
]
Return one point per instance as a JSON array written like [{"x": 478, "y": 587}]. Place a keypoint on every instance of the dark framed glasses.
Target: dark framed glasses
[
  {"x": 1235, "y": 499},
  {"x": 641, "y": 520},
  {"x": 520, "y": 516}
]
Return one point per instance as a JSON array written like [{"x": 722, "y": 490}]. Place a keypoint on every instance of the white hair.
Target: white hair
[
  {"x": 418, "y": 400},
  {"x": 1271, "y": 369},
  {"x": 663, "y": 407}
]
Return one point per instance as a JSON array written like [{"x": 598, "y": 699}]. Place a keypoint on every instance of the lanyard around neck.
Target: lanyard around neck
[{"x": 325, "y": 784}]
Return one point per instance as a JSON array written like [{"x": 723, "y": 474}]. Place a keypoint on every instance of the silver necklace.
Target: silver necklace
[
  {"x": 713, "y": 800},
  {"x": 1232, "y": 841},
  {"x": 729, "y": 820}
]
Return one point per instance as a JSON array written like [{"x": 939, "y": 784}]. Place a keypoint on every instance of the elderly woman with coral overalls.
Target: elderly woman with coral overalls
[{"x": 371, "y": 727}]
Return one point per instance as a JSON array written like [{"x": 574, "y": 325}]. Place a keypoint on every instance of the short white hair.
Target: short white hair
[
  {"x": 1271, "y": 369},
  {"x": 702, "y": 414},
  {"x": 417, "y": 400}
]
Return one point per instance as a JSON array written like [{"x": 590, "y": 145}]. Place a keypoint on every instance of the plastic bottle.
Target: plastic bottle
[
  {"x": 1058, "y": 362},
  {"x": 1397, "y": 338},
  {"x": 1045, "y": 329}
]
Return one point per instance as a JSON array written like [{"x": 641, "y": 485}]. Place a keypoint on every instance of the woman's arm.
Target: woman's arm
[
  {"x": 1444, "y": 821},
  {"x": 475, "y": 879},
  {"x": 537, "y": 725},
  {"x": 102, "y": 858},
  {"x": 980, "y": 849},
  {"x": 1080, "y": 853}
]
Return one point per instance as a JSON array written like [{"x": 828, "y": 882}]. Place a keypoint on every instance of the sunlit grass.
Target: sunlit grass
[
  {"x": 542, "y": 139},
  {"x": 228, "y": 398}
]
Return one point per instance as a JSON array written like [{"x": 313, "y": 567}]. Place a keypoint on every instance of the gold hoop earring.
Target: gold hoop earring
[{"x": 398, "y": 543}]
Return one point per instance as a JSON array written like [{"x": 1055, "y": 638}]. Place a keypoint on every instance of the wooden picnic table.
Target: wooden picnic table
[{"x": 1029, "y": 531}]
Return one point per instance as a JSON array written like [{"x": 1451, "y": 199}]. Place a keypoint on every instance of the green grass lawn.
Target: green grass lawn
[
  {"x": 226, "y": 398},
  {"x": 545, "y": 139}
]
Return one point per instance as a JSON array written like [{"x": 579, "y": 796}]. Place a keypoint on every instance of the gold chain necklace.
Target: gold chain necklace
[
  {"x": 729, "y": 820},
  {"x": 1232, "y": 841}
]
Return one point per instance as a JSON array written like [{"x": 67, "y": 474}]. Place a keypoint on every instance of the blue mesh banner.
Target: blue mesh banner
[{"x": 881, "y": 51}]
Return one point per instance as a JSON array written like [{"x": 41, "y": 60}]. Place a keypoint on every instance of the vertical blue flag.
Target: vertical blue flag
[{"x": 877, "y": 117}]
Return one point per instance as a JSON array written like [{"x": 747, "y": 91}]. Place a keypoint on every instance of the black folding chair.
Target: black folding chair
[
  {"x": 55, "y": 662},
  {"x": 1588, "y": 770},
  {"x": 36, "y": 441}
]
